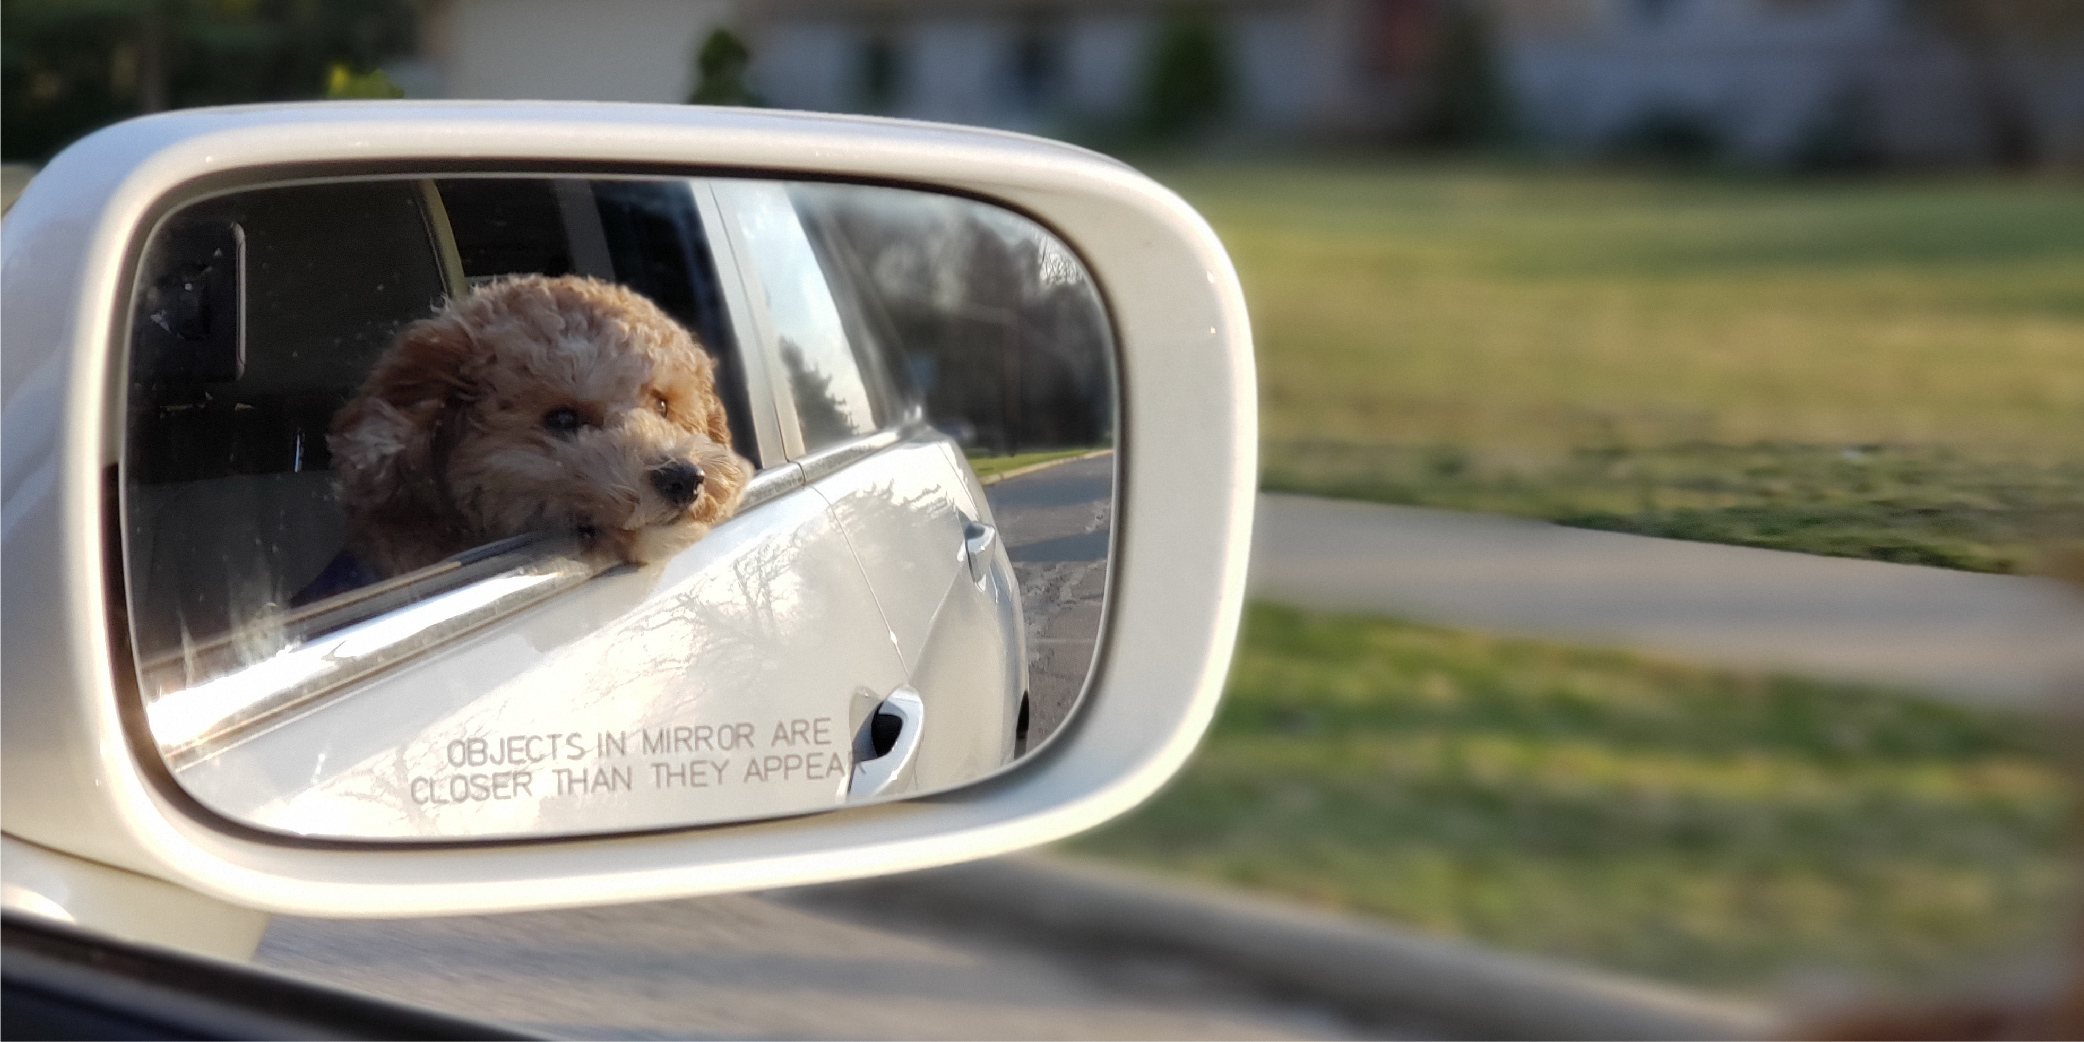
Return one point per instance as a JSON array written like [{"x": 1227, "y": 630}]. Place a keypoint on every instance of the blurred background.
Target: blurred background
[
  {"x": 1673, "y": 418},
  {"x": 1792, "y": 86}
]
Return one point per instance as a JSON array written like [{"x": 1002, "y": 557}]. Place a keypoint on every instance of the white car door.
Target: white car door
[
  {"x": 957, "y": 626},
  {"x": 895, "y": 490},
  {"x": 680, "y": 720},
  {"x": 728, "y": 683}
]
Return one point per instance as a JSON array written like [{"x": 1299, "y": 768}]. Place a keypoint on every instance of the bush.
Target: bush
[
  {"x": 720, "y": 69},
  {"x": 1187, "y": 83},
  {"x": 1671, "y": 135},
  {"x": 70, "y": 68},
  {"x": 1842, "y": 138},
  {"x": 1465, "y": 95}
]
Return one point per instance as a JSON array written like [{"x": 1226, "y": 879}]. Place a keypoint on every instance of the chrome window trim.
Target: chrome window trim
[
  {"x": 768, "y": 485},
  {"x": 834, "y": 458},
  {"x": 209, "y": 697},
  {"x": 191, "y": 722}
]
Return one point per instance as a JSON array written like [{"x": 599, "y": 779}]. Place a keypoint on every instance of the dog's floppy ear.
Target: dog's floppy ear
[
  {"x": 388, "y": 442},
  {"x": 431, "y": 362}
]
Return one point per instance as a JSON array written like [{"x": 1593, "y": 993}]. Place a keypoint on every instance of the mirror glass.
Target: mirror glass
[{"x": 500, "y": 505}]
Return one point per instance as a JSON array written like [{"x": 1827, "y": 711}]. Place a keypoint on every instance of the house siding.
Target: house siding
[{"x": 1768, "y": 78}]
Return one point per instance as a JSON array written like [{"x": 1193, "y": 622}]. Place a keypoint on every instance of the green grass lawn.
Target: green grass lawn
[
  {"x": 1701, "y": 826},
  {"x": 1872, "y": 369},
  {"x": 987, "y": 465}
]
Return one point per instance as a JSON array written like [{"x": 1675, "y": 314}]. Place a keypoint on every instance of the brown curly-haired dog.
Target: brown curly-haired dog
[{"x": 535, "y": 405}]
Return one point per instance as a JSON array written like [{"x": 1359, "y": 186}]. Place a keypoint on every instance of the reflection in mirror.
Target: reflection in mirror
[{"x": 505, "y": 505}]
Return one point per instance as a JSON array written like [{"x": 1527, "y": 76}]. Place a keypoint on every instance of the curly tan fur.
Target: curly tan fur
[{"x": 450, "y": 444}]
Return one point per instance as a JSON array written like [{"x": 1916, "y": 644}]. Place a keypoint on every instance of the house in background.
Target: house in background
[
  {"x": 1294, "y": 68},
  {"x": 1765, "y": 82},
  {"x": 579, "y": 50},
  {"x": 1789, "y": 82},
  {"x": 1291, "y": 68}
]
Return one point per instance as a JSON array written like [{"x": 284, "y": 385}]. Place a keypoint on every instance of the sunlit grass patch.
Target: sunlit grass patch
[
  {"x": 1704, "y": 826},
  {"x": 988, "y": 465},
  {"x": 1534, "y": 320}
]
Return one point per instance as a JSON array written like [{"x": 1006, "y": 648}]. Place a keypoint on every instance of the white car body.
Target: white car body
[{"x": 730, "y": 684}]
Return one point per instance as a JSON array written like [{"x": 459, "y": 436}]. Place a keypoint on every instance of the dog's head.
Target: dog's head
[{"x": 538, "y": 404}]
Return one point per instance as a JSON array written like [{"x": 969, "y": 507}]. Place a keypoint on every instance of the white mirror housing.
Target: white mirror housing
[{"x": 81, "y": 777}]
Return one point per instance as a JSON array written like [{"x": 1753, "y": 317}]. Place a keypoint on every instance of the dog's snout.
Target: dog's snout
[{"x": 678, "y": 481}]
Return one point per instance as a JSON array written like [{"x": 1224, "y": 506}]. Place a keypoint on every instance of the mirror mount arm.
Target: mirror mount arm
[{"x": 39, "y": 881}]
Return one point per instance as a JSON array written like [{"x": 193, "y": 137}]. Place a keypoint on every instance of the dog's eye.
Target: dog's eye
[
  {"x": 561, "y": 421},
  {"x": 659, "y": 402}
]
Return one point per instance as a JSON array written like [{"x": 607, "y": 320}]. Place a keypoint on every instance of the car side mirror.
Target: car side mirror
[
  {"x": 499, "y": 505},
  {"x": 407, "y": 504}
]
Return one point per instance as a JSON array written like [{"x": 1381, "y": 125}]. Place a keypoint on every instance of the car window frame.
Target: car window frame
[
  {"x": 536, "y": 568},
  {"x": 823, "y": 459},
  {"x": 773, "y": 416},
  {"x": 863, "y": 313}
]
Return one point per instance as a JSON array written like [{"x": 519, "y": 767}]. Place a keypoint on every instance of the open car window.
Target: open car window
[
  {"x": 259, "y": 317},
  {"x": 836, "y": 393}
]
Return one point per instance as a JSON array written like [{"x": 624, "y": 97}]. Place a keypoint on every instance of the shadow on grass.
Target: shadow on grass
[{"x": 1712, "y": 828}]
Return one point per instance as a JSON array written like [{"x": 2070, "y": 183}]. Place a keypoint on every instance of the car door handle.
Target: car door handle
[
  {"x": 893, "y": 732},
  {"x": 977, "y": 538}
]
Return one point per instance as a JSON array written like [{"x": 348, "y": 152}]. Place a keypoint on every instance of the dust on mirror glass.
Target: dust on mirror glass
[{"x": 506, "y": 505}]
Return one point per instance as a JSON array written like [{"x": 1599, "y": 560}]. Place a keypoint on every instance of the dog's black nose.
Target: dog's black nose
[{"x": 678, "y": 481}]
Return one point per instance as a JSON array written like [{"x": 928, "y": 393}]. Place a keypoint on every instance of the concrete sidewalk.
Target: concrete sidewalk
[{"x": 1986, "y": 639}]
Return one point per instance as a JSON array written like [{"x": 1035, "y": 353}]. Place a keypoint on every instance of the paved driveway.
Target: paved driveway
[
  {"x": 1056, "y": 522},
  {"x": 1991, "y": 639}
]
